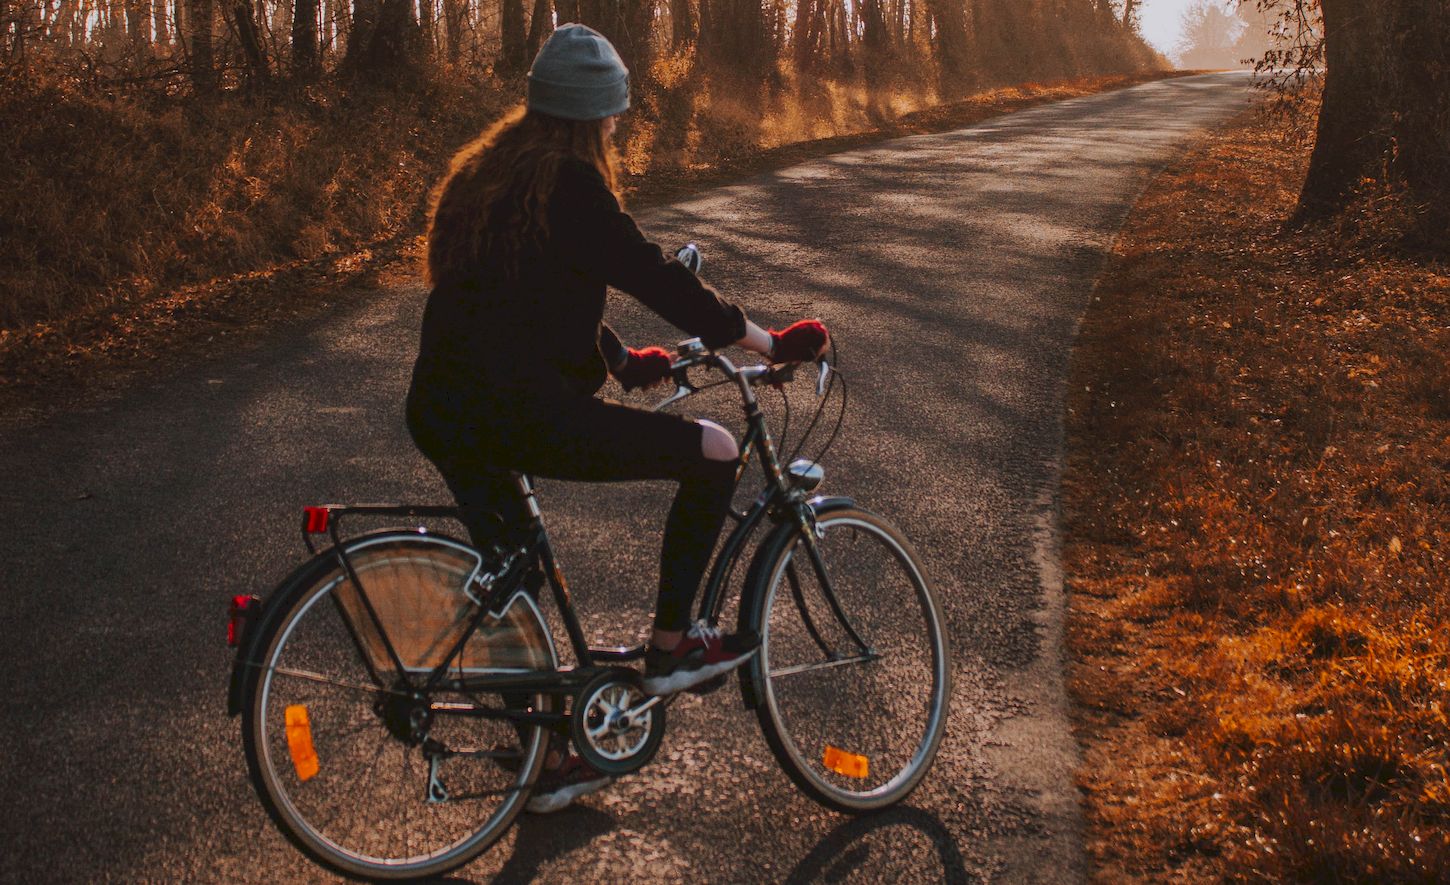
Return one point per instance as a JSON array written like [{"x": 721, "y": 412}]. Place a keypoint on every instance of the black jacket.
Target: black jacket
[{"x": 495, "y": 344}]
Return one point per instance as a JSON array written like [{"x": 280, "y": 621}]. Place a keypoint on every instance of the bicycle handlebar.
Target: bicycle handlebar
[{"x": 692, "y": 352}]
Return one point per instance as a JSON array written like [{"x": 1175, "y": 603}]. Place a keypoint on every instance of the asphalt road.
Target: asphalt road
[{"x": 952, "y": 268}]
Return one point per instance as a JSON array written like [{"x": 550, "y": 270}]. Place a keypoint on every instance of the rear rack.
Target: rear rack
[{"x": 325, "y": 518}]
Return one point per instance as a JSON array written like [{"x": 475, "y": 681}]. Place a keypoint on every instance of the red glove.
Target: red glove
[
  {"x": 800, "y": 343},
  {"x": 644, "y": 368}
]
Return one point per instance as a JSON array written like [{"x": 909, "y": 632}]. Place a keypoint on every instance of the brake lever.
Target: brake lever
[
  {"x": 683, "y": 387},
  {"x": 680, "y": 393},
  {"x": 822, "y": 377}
]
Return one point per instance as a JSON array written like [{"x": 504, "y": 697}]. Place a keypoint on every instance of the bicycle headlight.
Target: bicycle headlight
[{"x": 806, "y": 475}]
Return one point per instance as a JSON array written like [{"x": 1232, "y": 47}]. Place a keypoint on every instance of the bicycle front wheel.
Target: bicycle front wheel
[
  {"x": 363, "y": 768},
  {"x": 853, "y": 668}
]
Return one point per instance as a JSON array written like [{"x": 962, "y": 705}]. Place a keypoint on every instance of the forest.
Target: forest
[
  {"x": 206, "y": 46},
  {"x": 164, "y": 144}
]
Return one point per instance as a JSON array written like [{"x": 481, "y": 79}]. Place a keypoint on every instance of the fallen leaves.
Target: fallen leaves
[{"x": 1257, "y": 504}]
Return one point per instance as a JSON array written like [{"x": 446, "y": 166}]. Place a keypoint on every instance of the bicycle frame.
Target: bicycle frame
[{"x": 779, "y": 498}]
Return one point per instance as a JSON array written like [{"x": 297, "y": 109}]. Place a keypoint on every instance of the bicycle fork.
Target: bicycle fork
[{"x": 812, "y": 533}]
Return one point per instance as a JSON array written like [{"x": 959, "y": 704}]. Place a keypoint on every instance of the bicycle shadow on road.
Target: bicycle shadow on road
[
  {"x": 848, "y": 847},
  {"x": 540, "y": 838},
  {"x": 537, "y": 840}
]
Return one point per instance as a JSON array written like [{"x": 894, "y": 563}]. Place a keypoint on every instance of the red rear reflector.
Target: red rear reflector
[
  {"x": 316, "y": 519},
  {"x": 237, "y": 614}
]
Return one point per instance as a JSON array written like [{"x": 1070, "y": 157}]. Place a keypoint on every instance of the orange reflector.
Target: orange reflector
[
  {"x": 299, "y": 742},
  {"x": 845, "y": 763}
]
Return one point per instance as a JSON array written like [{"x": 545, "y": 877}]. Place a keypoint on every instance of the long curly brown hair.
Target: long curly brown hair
[{"x": 495, "y": 198}]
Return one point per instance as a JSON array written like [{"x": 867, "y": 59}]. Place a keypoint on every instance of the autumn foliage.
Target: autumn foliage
[{"x": 1258, "y": 511}]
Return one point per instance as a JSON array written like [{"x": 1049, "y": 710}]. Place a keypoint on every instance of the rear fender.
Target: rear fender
[
  {"x": 259, "y": 628},
  {"x": 252, "y": 626}
]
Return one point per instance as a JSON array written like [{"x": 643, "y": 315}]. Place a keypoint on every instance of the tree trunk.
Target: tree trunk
[
  {"x": 1420, "y": 99},
  {"x": 841, "y": 38},
  {"x": 803, "y": 35},
  {"x": 682, "y": 23},
  {"x": 952, "y": 45},
  {"x": 628, "y": 24},
  {"x": 873, "y": 39},
  {"x": 541, "y": 25},
  {"x": 513, "y": 39},
  {"x": 394, "y": 46},
  {"x": 568, "y": 11},
  {"x": 1350, "y": 141},
  {"x": 873, "y": 20},
  {"x": 138, "y": 25},
  {"x": 735, "y": 33},
  {"x": 337, "y": 24},
  {"x": 113, "y": 38},
  {"x": 453, "y": 24},
  {"x": 304, "y": 37},
  {"x": 360, "y": 34},
  {"x": 383, "y": 43},
  {"x": 199, "y": 15},
  {"x": 427, "y": 32},
  {"x": 159, "y": 24},
  {"x": 179, "y": 29},
  {"x": 14, "y": 20},
  {"x": 639, "y": 17},
  {"x": 247, "y": 35}
]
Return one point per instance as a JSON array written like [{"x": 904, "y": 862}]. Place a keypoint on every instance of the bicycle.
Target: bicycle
[{"x": 398, "y": 690}]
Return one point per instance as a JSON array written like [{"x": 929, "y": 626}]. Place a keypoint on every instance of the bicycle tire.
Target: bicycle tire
[
  {"x": 361, "y": 805},
  {"x": 856, "y": 732}
]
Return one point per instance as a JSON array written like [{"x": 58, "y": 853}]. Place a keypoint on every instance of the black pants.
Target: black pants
[{"x": 590, "y": 440}]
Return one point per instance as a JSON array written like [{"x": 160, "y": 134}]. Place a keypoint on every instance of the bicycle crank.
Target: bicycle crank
[{"x": 616, "y": 726}]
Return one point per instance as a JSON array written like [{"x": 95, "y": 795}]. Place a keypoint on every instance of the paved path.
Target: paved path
[{"x": 953, "y": 269}]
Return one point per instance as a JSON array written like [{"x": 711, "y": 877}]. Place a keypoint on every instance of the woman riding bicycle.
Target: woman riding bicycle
[{"x": 526, "y": 233}]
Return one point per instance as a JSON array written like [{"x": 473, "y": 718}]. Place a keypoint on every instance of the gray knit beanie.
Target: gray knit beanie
[{"x": 577, "y": 75}]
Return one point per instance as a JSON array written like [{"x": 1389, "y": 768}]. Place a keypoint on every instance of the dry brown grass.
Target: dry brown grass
[
  {"x": 1258, "y": 520},
  {"x": 108, "y": 200}
]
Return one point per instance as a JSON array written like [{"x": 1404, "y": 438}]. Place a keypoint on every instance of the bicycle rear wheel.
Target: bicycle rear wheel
[
  {"x": 355, "y": 763},
  {"x": 853, "y": 668}
]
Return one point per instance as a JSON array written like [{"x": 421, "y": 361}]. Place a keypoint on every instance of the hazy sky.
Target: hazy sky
[{"x": 1161, "y": 20}]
